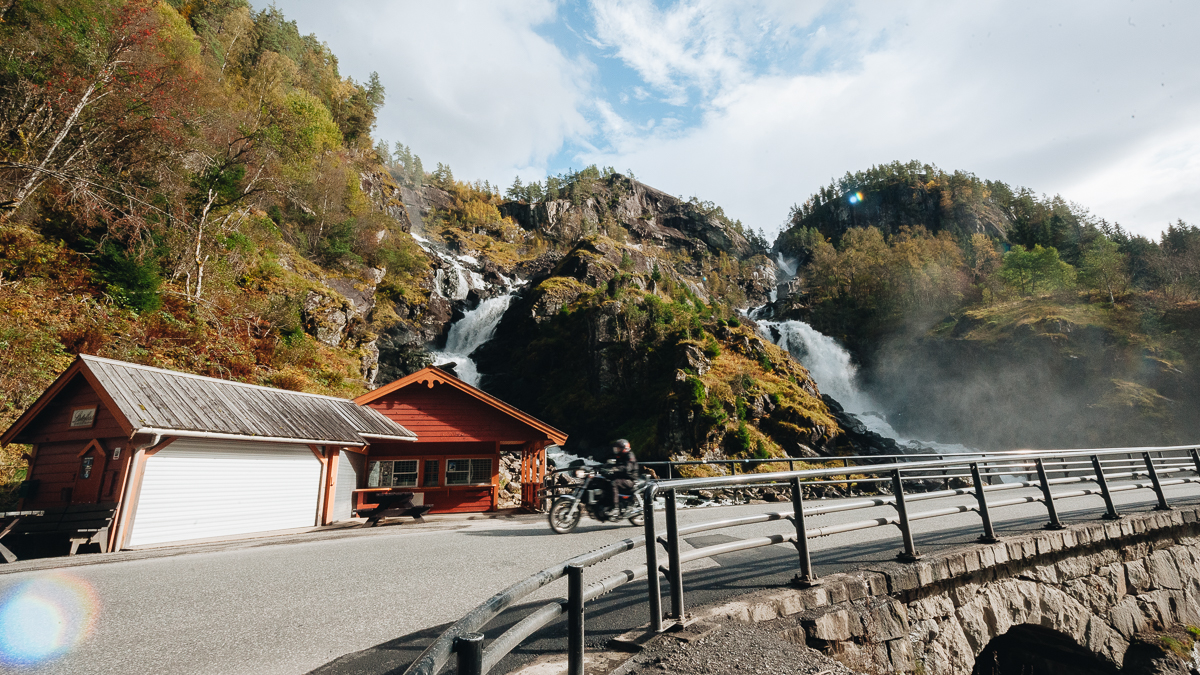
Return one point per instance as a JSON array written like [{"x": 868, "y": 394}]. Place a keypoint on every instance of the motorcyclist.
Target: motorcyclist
[{"x": 624, "y": 470}]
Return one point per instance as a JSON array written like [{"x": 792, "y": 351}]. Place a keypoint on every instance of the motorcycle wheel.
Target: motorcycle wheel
[
  {"x": 639, "y": 518},
  {"x": 562, "y": 520}
]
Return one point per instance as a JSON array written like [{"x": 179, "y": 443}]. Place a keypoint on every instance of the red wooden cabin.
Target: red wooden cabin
[{"x": 462, "y": 431}]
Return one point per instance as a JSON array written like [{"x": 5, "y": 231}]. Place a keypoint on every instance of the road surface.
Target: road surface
[{"x": 367, "y": 601}]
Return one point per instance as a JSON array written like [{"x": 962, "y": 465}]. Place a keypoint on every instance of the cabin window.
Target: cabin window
[
  {"x": 468, "y": 471},
  {"x": 431, "y": 473},
  {"x": 400, "y": 473},
  {"x": 404, "y": 473}
]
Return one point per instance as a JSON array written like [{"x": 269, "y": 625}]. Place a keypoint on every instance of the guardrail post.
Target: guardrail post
[
  {"x": 574, "y": 620},
  {"x": 1196, "y": 460},
  {"x": 653, "y": 584},
  {"x": 1110, "y": 510},
  {"x": 806, "y": 577},
  {"x": 909, "y": 553},
  {"x": 1162, "y": 499},
  {"x": 1055, "y": 523},
  {"x": 989, "y": 534},
  {"x": 675, "y": 573},
  {"x": 469, "y": 648}
]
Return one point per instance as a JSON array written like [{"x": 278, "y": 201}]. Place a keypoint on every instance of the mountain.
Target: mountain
[
  {"x": 623, "y": 318},
  {"x": 986, "y": 315}
]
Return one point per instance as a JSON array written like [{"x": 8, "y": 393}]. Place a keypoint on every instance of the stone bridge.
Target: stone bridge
[{"x": 1092, "y": 598}]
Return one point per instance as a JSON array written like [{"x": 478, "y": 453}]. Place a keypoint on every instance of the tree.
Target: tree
[
  {"x": 1039, "y": 268},
  {"x": 443, "y": 177},
  {"x": 89, "y": 99},
  {"x": 1104, "y": 269},
  {"x": 1176, "y": 265},
  {"x": 983, "y": 261},
  {"x": 516, "y": 191},
  {"x": 533, "y": 192}
]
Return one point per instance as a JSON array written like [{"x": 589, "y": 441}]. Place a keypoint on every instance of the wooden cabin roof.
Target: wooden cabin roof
[
  {"x": 448, "y": 409},
  {"x": 150, "y": 400}
]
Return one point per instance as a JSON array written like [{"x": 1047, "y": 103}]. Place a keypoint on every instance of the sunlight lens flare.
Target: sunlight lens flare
[
  {"x": 855, "y": 197},
  {"x": 45, "y": 618}
]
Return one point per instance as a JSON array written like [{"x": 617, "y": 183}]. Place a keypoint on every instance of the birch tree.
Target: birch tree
[{"x": 87, "y": 96}]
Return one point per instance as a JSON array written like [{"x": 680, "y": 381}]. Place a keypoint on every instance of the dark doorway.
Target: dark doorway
[{"x": 1034, "y": 650}]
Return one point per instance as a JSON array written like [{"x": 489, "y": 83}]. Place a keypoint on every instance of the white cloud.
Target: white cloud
[
  {"x": 702, "y": 44},
  {"x": 1098, "y": 101},
  {"x": 471, "y": 84},
  {"x": 1051, "y": 97}
]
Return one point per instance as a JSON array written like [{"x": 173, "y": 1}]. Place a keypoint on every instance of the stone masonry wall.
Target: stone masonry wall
[{"x": 1098, "y": 583}]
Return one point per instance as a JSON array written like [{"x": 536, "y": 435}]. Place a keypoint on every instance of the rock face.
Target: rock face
[
  {"x": 1088, "y": 599},
  {"x": 510, "y": 481},
  {"x": 649, "y": 215},
  {"x": 856, "y": 437},
  {"x": 338, "y": 312},
  {"x": 419, "y": 203},
  {"x": 386, "y": 195}
]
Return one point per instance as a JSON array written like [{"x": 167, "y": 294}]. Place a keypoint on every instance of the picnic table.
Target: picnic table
[
  {"x": 81, "y": 523},
  {"x": 391, "y": 504}
]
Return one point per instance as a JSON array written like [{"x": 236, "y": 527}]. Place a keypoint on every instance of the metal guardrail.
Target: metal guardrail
[
  {"x": 671, "y": 468},
  {"x": 1099, "y": 466}
]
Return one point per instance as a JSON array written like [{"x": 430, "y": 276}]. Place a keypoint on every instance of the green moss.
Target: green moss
[{"x": 1181, "y": 647}]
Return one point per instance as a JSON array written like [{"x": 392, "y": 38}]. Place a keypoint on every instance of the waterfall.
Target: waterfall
[
  {"x": 826, "y": 360},
  {"x": 836, "y": 375},
  {"x": 788, "y": 269},
  {"x": 454, "y": 282},
  {"x": 468, "y": 333}
]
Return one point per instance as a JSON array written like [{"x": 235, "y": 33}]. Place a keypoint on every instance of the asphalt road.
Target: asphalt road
[{"x": 367, "y": 601}]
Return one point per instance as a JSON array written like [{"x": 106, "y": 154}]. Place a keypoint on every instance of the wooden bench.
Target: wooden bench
[
  {"x": 391, "y": 505},
  {"x": 81, "y": 523}
]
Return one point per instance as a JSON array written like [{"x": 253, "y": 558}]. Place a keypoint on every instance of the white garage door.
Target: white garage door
[
  {"x": 194, "y": 489},
  {"x": 349, "y": 465}
]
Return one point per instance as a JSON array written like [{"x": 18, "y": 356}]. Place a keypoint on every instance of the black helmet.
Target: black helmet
[{"x": 619, "y": 445}]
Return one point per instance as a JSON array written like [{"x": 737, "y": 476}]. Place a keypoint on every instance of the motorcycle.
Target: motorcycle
[{"x": 593, "y": 495}]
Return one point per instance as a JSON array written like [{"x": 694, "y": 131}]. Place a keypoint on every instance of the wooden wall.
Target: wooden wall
[
  {"x": 445, "y": 498},
  {"x": 56, "y": 461},
  {"x": 445, "y": 413}
]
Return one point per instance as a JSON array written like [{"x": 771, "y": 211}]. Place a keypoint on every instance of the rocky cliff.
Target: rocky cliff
[{"x": 623, "y": 318}]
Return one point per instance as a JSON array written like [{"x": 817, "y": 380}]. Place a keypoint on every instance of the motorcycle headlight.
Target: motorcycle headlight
[{"x": 580, "y": 473}]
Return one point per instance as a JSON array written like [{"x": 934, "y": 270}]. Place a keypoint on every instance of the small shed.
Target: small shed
[
  {"x": 187, "y": 457},
  {"x": 462, "y": 435}
]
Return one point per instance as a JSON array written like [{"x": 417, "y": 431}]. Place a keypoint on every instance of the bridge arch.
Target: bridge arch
[
  {"x": 1094, "y": 586},
  {"x": 1032, "y": 649}
]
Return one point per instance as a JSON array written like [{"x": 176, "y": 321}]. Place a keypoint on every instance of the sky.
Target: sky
[{"x": 754, "y": 104}]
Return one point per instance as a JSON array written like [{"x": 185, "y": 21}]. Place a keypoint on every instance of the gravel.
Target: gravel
[{"x": 734, "y": 649}]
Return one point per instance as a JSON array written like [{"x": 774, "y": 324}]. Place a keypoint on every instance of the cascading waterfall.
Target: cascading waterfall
[
  {"x": 827, "y": 362},
  {"x": 836, "y": 375},
  {"x": 468, "y": 333},
  {"x": 454, "y": 282},
  {"x": 831, "y": 367},
  {"x": 458, "y": 281},
  {"x": 788, "y": 270}
]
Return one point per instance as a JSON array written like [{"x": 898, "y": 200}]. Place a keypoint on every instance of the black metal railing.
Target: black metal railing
[{"x": 1111, "y": 470}]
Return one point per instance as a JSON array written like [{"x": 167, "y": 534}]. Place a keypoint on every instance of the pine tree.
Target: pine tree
[{"x": 516, "y": 191}]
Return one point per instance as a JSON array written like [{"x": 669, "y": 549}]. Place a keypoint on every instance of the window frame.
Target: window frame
[
  {"x": 441, "y": 474},
  {"x": 390, "y": 473},
  {"x": 470, "y": 470}
]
